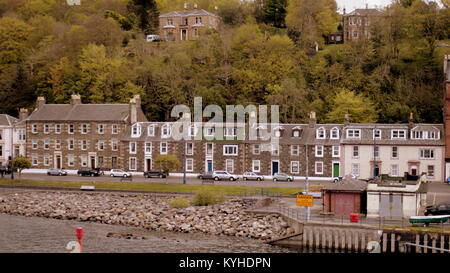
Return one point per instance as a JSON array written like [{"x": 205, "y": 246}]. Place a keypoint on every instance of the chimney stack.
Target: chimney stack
[
  {"x": 346, "y": 119},
  {"x": 411, "y": 121},
  {"x": 185, "y": 5},
  {"x": 75, "y": 99},
  {"x": 40, "y": 101},
  {"x": 133, "y": 110},
  {"x": 312, "y": 119},
  {"x": 23, "y": 113}
]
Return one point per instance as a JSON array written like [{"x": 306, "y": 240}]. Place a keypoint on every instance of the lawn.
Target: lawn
[{"x": 174, "y": 188}]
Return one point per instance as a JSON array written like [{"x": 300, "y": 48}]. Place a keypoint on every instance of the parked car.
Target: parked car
[
  {"x": 54, "y": 171},
  {"x": 5, "y": 170},
  {"x": 282, "y": 177},
  {"x": 224, "y": 175},
  {"x": 89, "y": 172},
  {"x": 153, "y": 38},
  {"x": 119, "y": 173},
  {"x": 252, "y": 176},
  {"x": 207, "y": 175},
  {"x": 155, "y": 173},
  {"x": 441, "y": 209}
]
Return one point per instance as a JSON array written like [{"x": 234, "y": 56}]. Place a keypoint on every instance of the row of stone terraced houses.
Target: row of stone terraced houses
[{"x": 76, "y": 135}]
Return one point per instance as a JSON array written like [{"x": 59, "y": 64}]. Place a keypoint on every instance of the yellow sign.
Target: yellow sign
[{"x": 304, "y": 200}]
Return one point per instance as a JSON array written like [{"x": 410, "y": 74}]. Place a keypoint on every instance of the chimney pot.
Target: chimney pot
[
  {"x": 312, "y": 119},
  {"x": 40, "y": 101},
  {"x": 75, "y": 99},
  {"x": 346, "y": 119},
  {"x": 23, "y": 113}
]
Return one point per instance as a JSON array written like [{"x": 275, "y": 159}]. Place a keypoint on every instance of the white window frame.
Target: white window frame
[
  {"x": 317, "y": 149},
  {"x": 34, "y": 160},
  {"x": 207, "y": 149},
  {"x": 84, "y": 145},
  {"x": 70, "y": 129},
  {"x": 136, "y": 130},
  {"x": 394, "y": 170},
  {"x": 151, "y": 130},
  {"x": 398, "y": 131},
  {"x": 333, "y": 148},
  {"x": 101, "y": 129},
  {"x": 355, "y": 169},
  {"x": 114, "y": 145},
  {"x": 46, "y": 160},
  {"x": 232, "y": 165},
  {"x": 34, "y": 128},
  {"x": 375, "y": 131},
  {"x": 227, "y": 131},
  {"x": 70, "y": 160},
  {"x": 189, "y": 164},
  {"x": 392, "y": 152},
  {"x": 334, "y": 130},
  {"x": 353, "y": 151},
  {"x": 148, "y": 148},
  {"x": 101, "y": 145},
  {"x": 166, "y": 131},
  {"x": 318, "y": 133},
  {"x": 34, "y": 144},
  {"x": 189, "y": 152},
  {"x": 57, "y": 144},
  {"x": 209, "y": 131},
  {"x": 316, "y": 164},
  {"x": 256, "y": 149},
  {"x": 256, "y": 166},
  {"x": 293, "y": 163},
  {"x": 133, "y": 147},
  {"x": 428, "y": 171},
  {"x": 275, "y": 149},
  {"x": 295, "y": 150},
  {"x": 164, "y": 147},
  {"x": 132, "y": 161},
  {"x": 114, "y": 129},
  {"x": 234, "y": 147},
  {"x": 376, "y": 151},
  {"x": 69, "y": 146},
  {"x": 353, "y": 133},
  {"x": 84, "y": 128},
  {"x": 57, "y": 128},
  {"x": 423, "y": 153},
  {"x": 46, "y": 144}
]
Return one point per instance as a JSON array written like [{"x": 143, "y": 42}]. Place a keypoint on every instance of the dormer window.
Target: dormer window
[
  {"x": 193, "y": 130},
  {"x": 136, "y": 130},
  {"x": 230, "y": 131},
  {"x": 335, "y": 133},
  {"x": 296, "y": 133},
  {"x": 277, "y": 133},
  {"x": 398, "y": 134},
  {"x": 151, "y": 130},
  {"x": 377, "y": 134},
  {"x": 320, "y": 133},
  {"x": 166, "y": 131},
  {"x": 209, "y": 131},
  {"x": 354, "y": 133}
]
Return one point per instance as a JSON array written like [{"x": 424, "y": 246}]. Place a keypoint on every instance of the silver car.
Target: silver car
[
  {"x": 54, "y": 171},
  {"x": 252, "y": 176},
  {"x": 224, "y": 175},
  {"x": 119, "y": 173}
]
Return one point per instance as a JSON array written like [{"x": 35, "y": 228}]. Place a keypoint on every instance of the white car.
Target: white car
[
  {"x": 224, "y": 175},
  {"x": 119, "y": 173},
  {"x": 252, "y": 176}
]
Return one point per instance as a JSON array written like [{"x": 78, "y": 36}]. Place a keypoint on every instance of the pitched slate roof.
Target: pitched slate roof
[
  {"x": 363, "y": 12},
  {"x": 367, "y": 134},
  {"x": 185, "y": 13},
  {"x": 83, "y": 112},
  {"x": 7, "y": 120}
]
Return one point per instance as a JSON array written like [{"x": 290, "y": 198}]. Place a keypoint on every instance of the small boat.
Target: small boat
[{"x": 426, "y": 220}]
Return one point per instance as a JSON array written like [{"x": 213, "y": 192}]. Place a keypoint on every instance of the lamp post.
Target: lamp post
[
  {"x": 12, "y": 151},
  {"x": 184, "y": 162},
  {"x": 308, "y": 209}
]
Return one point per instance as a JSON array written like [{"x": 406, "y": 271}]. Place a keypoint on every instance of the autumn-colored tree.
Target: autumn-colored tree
[{"x": 359, "y": 108}]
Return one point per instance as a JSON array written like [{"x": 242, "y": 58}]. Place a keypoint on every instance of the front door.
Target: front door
[
  {"x": 148, "y": 164},
  {"x": 184, "y": 34},
  {"x": 335, "y": 169},
  {"x": 414, "y": 170},
  {"x": 376, "y": 170},
  {"x": 275, "y": 167},
  {"x": 209, "y": 165},
  {"x": 93, "y": 162},
  {"x": 58, "y": 162}
]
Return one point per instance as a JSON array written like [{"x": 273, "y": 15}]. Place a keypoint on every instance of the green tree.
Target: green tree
[
  {"x": 146, "y": 14},
  {"x": 275, "y": 12},
  {"x": 359, "y": 108},
  {"x": 167, "y": 163},
  {"x": 21, "y": 163}
]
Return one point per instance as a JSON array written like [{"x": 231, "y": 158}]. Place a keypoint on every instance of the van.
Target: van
[{"x": 153, "y": 38}]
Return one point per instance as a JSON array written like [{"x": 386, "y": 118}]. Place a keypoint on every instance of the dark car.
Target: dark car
[
  {"x": 207, "y": 175},
  {"x": 441, "y": 209},
  {"x": 5, "y": 170},
  {"x": 89, "y": 172},
  {"x": 58, "y": 172},
  {"x": 155, "y": 173}
]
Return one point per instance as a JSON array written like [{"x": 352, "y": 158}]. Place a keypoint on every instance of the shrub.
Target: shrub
[
  {"x": 179, "y": 203},
  {"x": 206, "y": 197}
]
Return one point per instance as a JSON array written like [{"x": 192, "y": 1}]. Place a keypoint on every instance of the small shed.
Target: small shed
[
  {"x": 345, "y": 197},
  {"x": 396, "y": 198}
]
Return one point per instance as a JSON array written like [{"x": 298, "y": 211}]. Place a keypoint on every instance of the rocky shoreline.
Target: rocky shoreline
[{"x": 147, "y": 211}]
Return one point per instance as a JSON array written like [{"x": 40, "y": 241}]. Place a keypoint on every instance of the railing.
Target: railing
[{"x": 299, "y": 213}]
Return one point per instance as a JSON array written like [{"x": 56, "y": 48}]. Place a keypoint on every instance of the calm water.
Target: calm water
[{"x": 34, "y": 234}]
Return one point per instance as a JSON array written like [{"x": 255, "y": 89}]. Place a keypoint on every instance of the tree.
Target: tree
[
  {"x": 359, "y": 108},
  {"x": 311, "y": 19},
  {"x": 21, "y": 163},
  {"x": 167, "y": 163},
  {"x": 146, "y": 14},
  {"x": 275, "y": 12}
]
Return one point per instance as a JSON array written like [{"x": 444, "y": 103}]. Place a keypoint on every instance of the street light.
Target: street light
[{"x": 12, "y": 151}]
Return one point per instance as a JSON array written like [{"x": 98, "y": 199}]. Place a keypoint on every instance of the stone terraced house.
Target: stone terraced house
[{"x": 76, "y": 135}]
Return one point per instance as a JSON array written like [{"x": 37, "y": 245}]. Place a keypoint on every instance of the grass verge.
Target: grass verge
[{"x": 130, "y": 186}]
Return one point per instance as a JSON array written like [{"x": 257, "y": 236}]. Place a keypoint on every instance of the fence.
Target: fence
[{"x": 299, "y": 214}]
